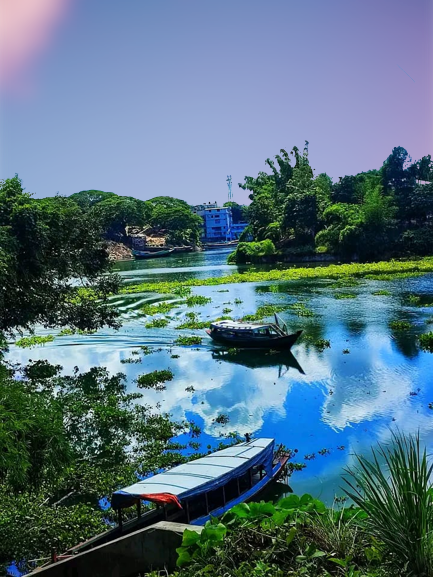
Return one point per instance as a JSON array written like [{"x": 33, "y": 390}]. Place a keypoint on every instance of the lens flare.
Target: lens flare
[{"x": 26, "y": 28}]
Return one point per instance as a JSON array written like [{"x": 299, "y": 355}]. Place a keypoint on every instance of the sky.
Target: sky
[{"x": 167, "y": 97}]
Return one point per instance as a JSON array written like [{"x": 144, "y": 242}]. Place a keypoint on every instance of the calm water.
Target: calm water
[{"x": 309, "y": 401}]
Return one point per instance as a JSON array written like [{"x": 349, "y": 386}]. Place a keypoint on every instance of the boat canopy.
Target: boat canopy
[
  {"x": 239, "y": 326},
  {"x": 199, "y": 476}
]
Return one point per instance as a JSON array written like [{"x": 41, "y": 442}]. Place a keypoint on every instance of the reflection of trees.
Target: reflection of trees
[
  {"x": 355, "y": 327},
  {"x": 314, "y": 330},
  {"x": 259, "y": 359},
  {"x": 405, "y": 342}
]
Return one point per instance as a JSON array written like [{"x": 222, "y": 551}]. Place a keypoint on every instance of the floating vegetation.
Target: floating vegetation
[
  {"x": 344, "y": 282},
  {"x": 193, "y": 322},
  {"x": 65, "y": 332},
  {"x": 310, "y": 457},
  {"x": 322, "y": 344},
  {"x": 222, "y": 419},
  {"x": 232, "y": 351},
  {"x": 341, "y": 448},
  {"x": 346, "y": 351},
  {"x": 345, "y": 296},
  {"x": 86, "y": 331},
  {"x": 146, "y": 350},
  {"x": 301, "y": 310},
  {"x": 324, "y": 452},
  {"x": 155, "y": 379},
  {"x": 33, "y": 341},
  {"x": 382, "y": 292},
  {"x": 188, "y": 341},
  {"x": 383, "y": 270},
  {"x": 190, "y": 389},
  {"x": 414, "y": 300},
  {"x": 181, "y": 291},
  {"x": 226, "y": 311},
  {"x": 426, "y": 341},
  {"x": 175, "y": 356},
  {"x": 197, "y": 300},
  {"x": 160, "y": 308},
  {"x": 265, "y": 311},
  {"x": 130, "y": 360},
  {"x": 400, "y": 325},
  {"x": 223, "y": 291},
  {"x": 157, "y": 324},
  {"x": 238, "y": 301}
]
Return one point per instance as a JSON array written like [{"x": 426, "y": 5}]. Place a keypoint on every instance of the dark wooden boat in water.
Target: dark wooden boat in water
[
  {"x": 195, "y": 491},
  {"x": 238, "y": 334},
  {"x": 142, "y": 254}
]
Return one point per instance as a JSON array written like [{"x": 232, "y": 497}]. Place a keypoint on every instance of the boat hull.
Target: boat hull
[
  {"x": 141, "y": 255},
  {"x": 275, "y": 343}
]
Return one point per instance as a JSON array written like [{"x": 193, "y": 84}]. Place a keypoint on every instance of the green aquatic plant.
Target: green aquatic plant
[
  {"x": 238, "y": 301},
  {"x": 414, "y": 300},
  {"x": 181, "y": 291},
  {"x": 197, "y": 300},
  {"x": 190, "y": 389},
  {"x": 393, "y": 268},
  {"x": 188, "y": 341},
  {"x": 65, "y": 332},
  {"x": 382, "y": 292},
  {"x": 344, "y": 296},
  {"x": 155, "y": 379},
  {"x": 301, "y": 310},
  {"x": 157, "y": 324},
  {"x": 130, "y": 360},
  {"x": 160, "y": 308},
  {"x": 33, "y": 341},
  {"x": 322, "y": 344},
  {"x": 426, "y": 341},
  {"x": 393, "y": 487},
  {"x": 265, "y": 311},
  {"x": 400, "y": 325},
  {"x": 344, "y": 282},
  {"x": 226, "y": 311},
  {"x": 346, "y": 351},
  {"x": 146, "y": 350},
  {"x": 193, "y": 322}
]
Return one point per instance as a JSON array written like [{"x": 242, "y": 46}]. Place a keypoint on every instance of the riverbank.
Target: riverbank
[{"x": 383, "y": 270}]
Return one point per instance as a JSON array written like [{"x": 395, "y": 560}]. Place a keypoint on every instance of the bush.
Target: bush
[{"x": 252, "y": 251}]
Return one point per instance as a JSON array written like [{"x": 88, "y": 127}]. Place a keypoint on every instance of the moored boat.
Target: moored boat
[
  {"x": 142, "y": 254},
  {"x": 195, "y": 491},
  {"x": 238, "y": 334}
]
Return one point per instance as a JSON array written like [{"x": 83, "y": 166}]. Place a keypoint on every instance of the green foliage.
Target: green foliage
[
  {"x": 114, "y": 214},
  {"x": 394, "y": 489},
  {"x": 239, "y": 212},
  {"x": 322, "y": 344},
  {"x": 301, "y": 310},
  {"x": 175, "y": 217},
  {"x": 383, "y": 270},
  {"x": 197, "y": 300},
  {"x": 251, "y": 251},
  {"x": 154, "y": 379},
  {"x": 188, "y": 341},
  {"x": 265, "y": 311},
  {"x": 43, "y": 245},
  {"x": 157, "y": 324},
  {"x": 382, "y": 292},
  {"x": 33, "y": 341},
  {"x": 345, "y": 296},
  {"x": 160, "y": 308},
  {"x": 426, "y": 341},
  {"x": 400, "y": 325}
]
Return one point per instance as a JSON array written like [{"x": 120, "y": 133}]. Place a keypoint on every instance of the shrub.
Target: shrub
[
  {"x": 426, "y": 341},
  {"x": 252, "y": 251}
]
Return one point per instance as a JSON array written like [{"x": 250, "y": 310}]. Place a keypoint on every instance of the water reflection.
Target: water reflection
[{"x": 260, "y": 359}]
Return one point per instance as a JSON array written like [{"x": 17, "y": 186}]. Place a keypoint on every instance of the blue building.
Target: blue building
[
  {"x": 217, "y": 222},
  {"x": 238, "y": 229}
]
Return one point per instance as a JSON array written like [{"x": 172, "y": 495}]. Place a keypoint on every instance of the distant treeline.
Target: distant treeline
[{"x": 375, "y": 214}]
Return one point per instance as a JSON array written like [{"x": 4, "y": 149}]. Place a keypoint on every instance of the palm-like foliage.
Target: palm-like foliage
[{"x": 394, "y": 489}]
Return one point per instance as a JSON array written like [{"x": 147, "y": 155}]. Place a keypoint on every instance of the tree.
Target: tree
[
  {"x": 44, "y": 244},
  {"x": 88, "y": 198},
  {"x": 238, "y": 211},
  {"x": 176, "y": 218},
  {"x": 114, "y": 214},
  {"x": 398, "y": 178}
]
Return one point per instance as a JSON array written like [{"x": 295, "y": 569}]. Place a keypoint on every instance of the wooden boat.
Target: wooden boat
[
  {"x": 238, "y": 334},
  {"x": 195, "y": 491},
  {"x": 216, "y": 245},
  {"x": 142, "y": 254}
]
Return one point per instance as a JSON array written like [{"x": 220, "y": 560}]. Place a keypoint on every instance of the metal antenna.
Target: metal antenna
[{"x": 229, "y": 184}]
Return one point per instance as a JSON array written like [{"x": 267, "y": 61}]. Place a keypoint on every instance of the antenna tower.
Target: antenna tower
[{"x": 229, "y": 184}]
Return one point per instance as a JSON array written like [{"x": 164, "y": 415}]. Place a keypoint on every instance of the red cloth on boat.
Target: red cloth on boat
[{"x": 162, "y": 498}]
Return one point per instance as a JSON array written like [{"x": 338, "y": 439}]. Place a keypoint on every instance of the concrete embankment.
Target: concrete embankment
[{"x": 150, "y": 548}]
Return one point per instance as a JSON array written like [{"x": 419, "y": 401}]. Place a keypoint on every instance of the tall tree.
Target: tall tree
[{"x": 44, "y": 244}]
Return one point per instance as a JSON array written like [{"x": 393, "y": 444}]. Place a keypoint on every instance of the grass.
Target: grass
[
  {"x": 394, "y": 489},
  {"x": 155, "y": 379},
  {"x": 157, "y": 324},
  {"x": 33, "y": 341},
  {"x": 400, "y": 325},
  {"x": 188, "y": 341},
  {"x": 383, "y": 270},
  {"x": 426, "y": 342}
]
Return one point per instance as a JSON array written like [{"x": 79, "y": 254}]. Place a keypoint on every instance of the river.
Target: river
[{"x": 327, "y": 404}]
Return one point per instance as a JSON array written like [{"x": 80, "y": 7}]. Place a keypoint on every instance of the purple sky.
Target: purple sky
[{"x": 168, "y": 97}]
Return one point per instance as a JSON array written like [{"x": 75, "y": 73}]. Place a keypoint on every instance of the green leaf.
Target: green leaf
[
  {"x": 190, "y": 538},
  {"x": 290, "y": 502},
  {"x": 291, "y": 535},
  {"x": 184, "y": 558}
]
